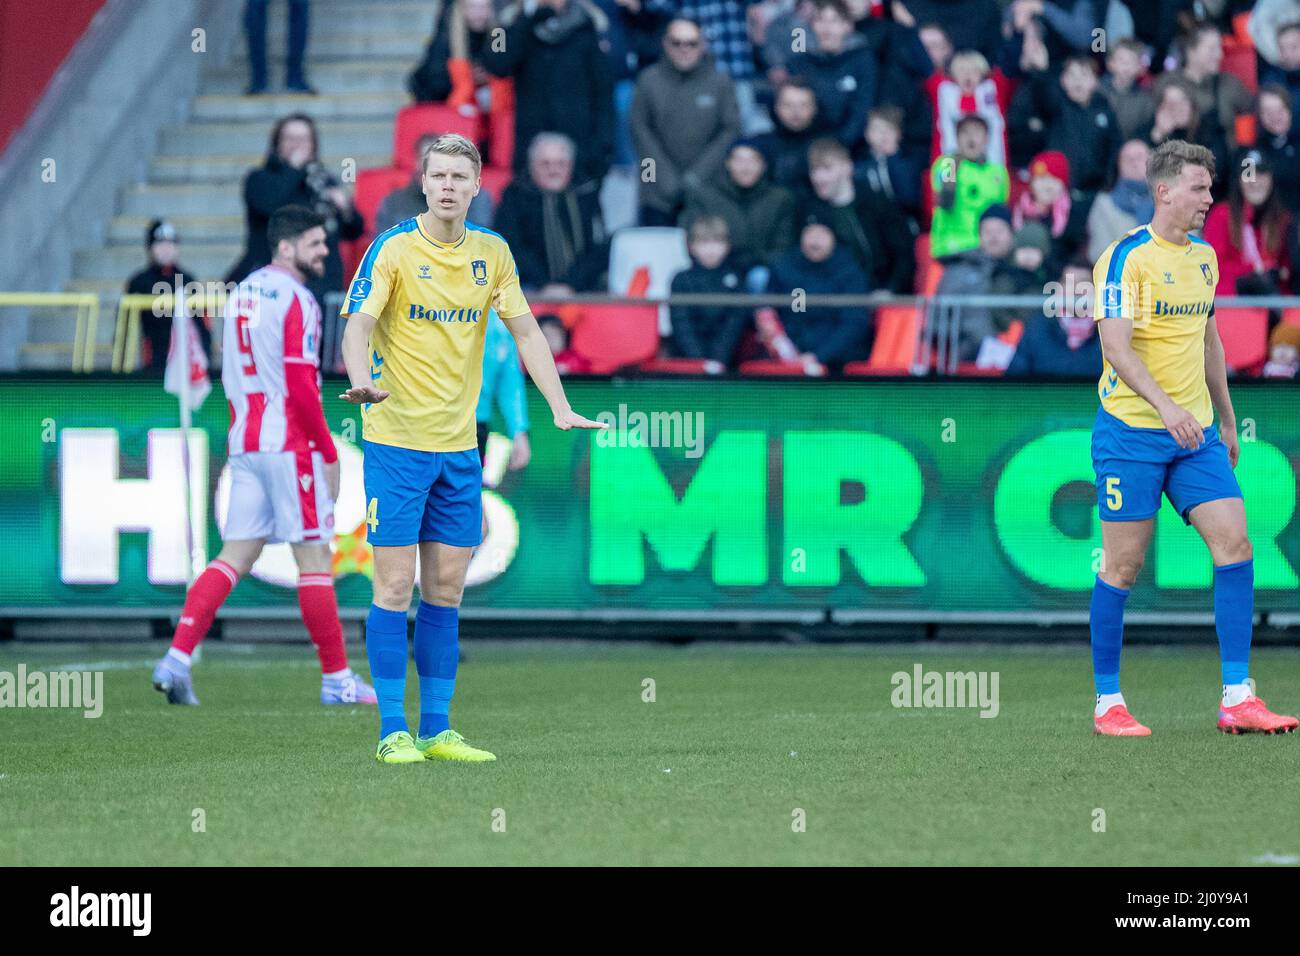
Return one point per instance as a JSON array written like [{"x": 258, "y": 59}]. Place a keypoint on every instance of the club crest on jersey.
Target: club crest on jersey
[
  {"x": 1205, "y": 271},
  {"x": 479, "y": 268}
]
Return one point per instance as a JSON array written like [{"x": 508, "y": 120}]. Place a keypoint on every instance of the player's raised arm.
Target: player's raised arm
[
  {"x": 536, "y": 353},
  {"x": 356, "y": 338}
]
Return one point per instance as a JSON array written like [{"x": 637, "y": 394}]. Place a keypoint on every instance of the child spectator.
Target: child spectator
[
  {"x": 842, "y": 73},
  {"x": 1133, "y": 105},
  {"x": 710, "y": 332},
  {"x": 970, "y": 88},
  {"x": 883, "y": 169},
  {"x": 1126, "y": 205},
  {"x": 1048, "y": 201},
  {"x": 1024, "y": 273},
  {"x": 1283, "y": 351},
  {"x": 964, "y": 186}
]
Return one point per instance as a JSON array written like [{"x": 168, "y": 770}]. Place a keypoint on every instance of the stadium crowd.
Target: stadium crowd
[{"x": 842, "y": 147}]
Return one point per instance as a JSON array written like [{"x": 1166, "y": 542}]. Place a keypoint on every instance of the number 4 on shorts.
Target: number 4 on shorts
[{"x": 372, "y": 515}]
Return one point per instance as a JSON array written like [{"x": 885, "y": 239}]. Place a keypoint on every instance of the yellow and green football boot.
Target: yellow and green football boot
[
  {"x": 398, "y": 747},
  {"x": 450, "y": 745}
]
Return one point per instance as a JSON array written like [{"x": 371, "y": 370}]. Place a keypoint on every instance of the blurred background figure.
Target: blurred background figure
[
  {"x": 255, "y": 26},
  {"x": 163, "y": 244}
]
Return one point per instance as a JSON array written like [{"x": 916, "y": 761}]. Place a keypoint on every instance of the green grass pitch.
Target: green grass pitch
[{"x": 738, "y": 739}]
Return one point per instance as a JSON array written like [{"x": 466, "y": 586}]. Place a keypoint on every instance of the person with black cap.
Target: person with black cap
[
  {"x": 1250, "y": 230},
  {"x": 162, "y": 242}
]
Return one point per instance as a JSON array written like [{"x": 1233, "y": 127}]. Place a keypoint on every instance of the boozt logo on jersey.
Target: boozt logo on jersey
[
  {"x": 445, "y": 315},
  {"x": 360, "y": 290},
  {"x": 479, "y": 267},
  {"x": 1191, "y": 308}
]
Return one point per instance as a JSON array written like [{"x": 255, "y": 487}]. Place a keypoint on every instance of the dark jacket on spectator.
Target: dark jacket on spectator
[
  {"x": 835, "y": 335},
  {"x": 786, "y": 153},
  {"x": 709, "y": 331},
  {"x": 894, "y": 178},
  {"x": 562, "y": 81},
  {"x": 1089, "y": 136},
  {"x": 970, "y": 24},
  {"x": 158, "y": 328},
  {"x": 1283, "y": 154},
  {"x": 277, "y": 184},
  {"x": 1268, "y": 73},
  {"x": 555, "y": 237},
  {"x": 760, "y": 219},
  {"x": 635, "y": 39},
  {"x": 1044, "y": 352},
  {"x": 430, "y": 81},
  {"x": 874, "y": 230},
  {"x": 685, "y": 122},
  {"x": 971, "y": 273},
  {"x": 845, "y": 85}
]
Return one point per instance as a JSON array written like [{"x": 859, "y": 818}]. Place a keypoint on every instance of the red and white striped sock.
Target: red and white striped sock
[
  {"x": 320, "y": 612},
  {"x": 208, "y": 592}
]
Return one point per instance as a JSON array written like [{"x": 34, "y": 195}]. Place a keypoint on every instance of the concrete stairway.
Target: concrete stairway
[{"x": 358, "y": 56}]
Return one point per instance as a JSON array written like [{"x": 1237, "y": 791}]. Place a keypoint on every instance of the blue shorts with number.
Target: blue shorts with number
[
  {"x": 414, "y": 496},
  {"x": 1135, "y": 466}
]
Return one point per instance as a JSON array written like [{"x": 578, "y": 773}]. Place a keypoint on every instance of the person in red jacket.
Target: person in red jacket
[{"x": 1249, "y": 232}]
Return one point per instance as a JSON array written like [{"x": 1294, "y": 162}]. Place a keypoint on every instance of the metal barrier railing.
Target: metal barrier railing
[
  {"x": 87, "y": 322},
  {"x": 130, "y": 308}
]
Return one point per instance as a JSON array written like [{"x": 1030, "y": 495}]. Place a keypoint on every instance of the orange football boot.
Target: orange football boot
[
  {"x": 1118, "y": 722},
  {"x": 1252, "y": 717}
]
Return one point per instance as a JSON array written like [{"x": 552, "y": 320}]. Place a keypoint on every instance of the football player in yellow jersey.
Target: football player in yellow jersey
[
  {"x": 417, "y": 313},
  {"x": 1163, "y": 378}
]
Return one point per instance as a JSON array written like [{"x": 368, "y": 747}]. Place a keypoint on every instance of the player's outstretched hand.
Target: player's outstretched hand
[
  {"x": 572, "y": 419},
  {"x": 1182, "y": 424},
  {"x": 364, "y": 395}
]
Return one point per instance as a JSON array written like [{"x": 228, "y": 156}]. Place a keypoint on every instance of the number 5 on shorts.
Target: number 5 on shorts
[
  {"x": 372, "y": 515},
  {"x": 1114, "y": 498}
]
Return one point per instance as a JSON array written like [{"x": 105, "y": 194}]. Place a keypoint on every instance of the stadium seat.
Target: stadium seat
[
  {"x": 894, "y": 348},
  {"x": 771, "y": 367},
  {"x": 923, "y": 261},
  {"x": 683, "y": 366},
  {"x": 372, "y": 186},
  {"x": 615, "y": 336},
  {"x": 420, "y": 118},
  {"x": 1239, "y": 60},
  {"x": 660, "y": 250},
  {"x": 1244, "y": 332}
]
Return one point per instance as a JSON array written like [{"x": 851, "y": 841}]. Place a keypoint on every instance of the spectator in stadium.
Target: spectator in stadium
[
  {"x": 162, "y": 242},
  {"x": 1063, "y": 343},
  {"x": 759, "y": 214},
  {"x": 964, "y": 186},
  {"x": 1250, "y": 231},
  {"x": 1066, "y": 26},
  {"x": 255, "y": 28},
  {"x": 1156, "y": 23},
  {"x": 553, "y": 224},
  {"x": 786, "y": 147},
  {"x": 825, "y": 336},
  {"x": 1124, "y": 206},
  {"x": 905, "y": 65},
  {"x": 842, "y": 73},
  {"x": 1279, "y": 142},
  {"x": 294, "y": 175},
  {"x": 972, "y": 272},
  {"x": 710, "y": 332},
  {"x": 684, "y": 118},
  {"x": 409, "y": 200},
  {"x": 568, "y": 361},
  {"x": 1076, "y": 120},
  {"x": 1132, "y": 103},
  {"x": 1284, "y": 68},
  {"x": 451, "y": 70},
  {"x": 873, "y": 229},
  {"x": 1219, "y": 97},
  {"x": 971, "y": 88},
  {"x": 1024, "y": 273},
  {"x": 1177, "y": 117},
  {"x": 938, "y": 45},
  {"x": 882, "y": 167},
  {"x": 1048, "y": 201},
  {"x": 635, "y": 41},
  {"x": 1283, "y": 351},
  {"x": 724, "y": 24},
  {"x": 772, "y": 31},
  {"x": 562, "y": 80},
  {"x": 968, "y": 24}
]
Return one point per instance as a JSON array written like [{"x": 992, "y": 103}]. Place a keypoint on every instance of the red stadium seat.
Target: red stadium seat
[
  {"x": 971, "y": 370},
  {"x": 614, "y": 336},
  {"x": 683, "y": 366},
  {"x": 416, "y": 120},
  {"x": 771, "y": 367},
  {"x": 1239, "y": 60},
  {"x": 1291, "y": 316},
  {"x": 894, "y": 348},
  {"x": 1244, "y": 332},
  {"x": 923, "y": 261},
  {"x": 372, "y": 186}
]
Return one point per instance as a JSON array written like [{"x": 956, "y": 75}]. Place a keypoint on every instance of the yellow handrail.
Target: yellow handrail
[
  {"x": 87, "y": 306},
  {"x": 126, "y": 332}
]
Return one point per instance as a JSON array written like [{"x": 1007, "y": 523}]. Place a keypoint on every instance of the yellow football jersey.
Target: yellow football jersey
[
  {"x": 430, "y": 300},
  {"x": 1168, "y": 292}
]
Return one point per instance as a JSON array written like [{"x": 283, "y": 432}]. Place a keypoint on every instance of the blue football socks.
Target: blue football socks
[
  {"x": 1234, "y": 612},
  {"x": 437, "y": 652},
  {"x": 1106, "y": 620},
  {"x": 386, "y": 649}
]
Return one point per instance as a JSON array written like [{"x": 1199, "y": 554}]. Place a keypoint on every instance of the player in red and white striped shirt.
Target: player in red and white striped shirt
[{"x": 283, "y": 462}]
